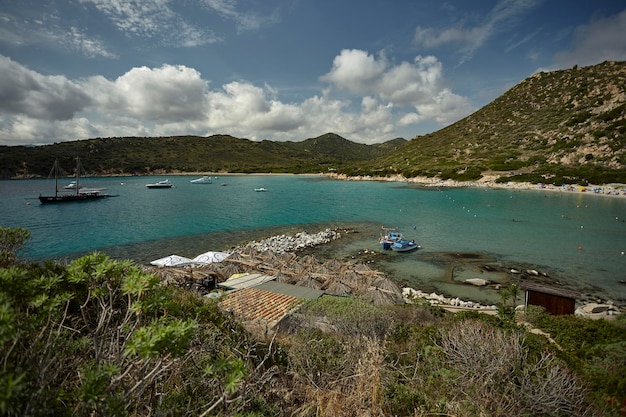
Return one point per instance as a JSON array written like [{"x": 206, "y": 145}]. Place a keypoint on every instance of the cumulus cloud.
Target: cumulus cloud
[
  {"x": 356, "y": 71},
  {"x": 169, "y": 93},
  {"x": 28, "y": 93},
  {"x": 600, "y": 40},
  {"x": 176, "y": 99},
  {"x": 418, "y": 84}
]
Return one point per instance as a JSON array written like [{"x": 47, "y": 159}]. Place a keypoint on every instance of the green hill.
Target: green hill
[
  {"x": 218, "y": 153},
  {"x": 570, "y": 123}
]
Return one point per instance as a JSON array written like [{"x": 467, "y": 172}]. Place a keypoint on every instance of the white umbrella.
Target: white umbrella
[
  {"x": 210, "y": 257},
  {"x": 172, "y": 260}
]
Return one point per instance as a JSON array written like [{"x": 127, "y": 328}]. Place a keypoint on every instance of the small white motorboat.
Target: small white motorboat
[
  {"x": 72, "y": 186},
  {"x": 260, "y": 190},
  {"x": 160, "y": 184},
  {"x": 202, "y": 180}
]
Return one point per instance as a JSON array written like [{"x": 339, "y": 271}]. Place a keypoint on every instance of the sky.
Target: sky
[{"x": 281, "y": 70}]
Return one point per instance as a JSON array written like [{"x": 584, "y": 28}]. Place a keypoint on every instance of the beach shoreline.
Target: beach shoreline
[{"x": 489, "y": 182}]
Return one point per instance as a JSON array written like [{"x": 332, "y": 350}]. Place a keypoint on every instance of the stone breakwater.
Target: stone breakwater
[{"x": 283, "y": 243}]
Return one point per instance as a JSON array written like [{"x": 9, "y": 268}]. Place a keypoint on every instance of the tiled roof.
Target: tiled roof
[{"x": 252, "y": 303}]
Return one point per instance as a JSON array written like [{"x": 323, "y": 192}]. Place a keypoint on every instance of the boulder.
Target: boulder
[{"x": 479, "y": 282}]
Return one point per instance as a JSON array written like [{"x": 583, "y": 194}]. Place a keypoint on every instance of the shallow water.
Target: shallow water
[{"x": 579, "y": 239}]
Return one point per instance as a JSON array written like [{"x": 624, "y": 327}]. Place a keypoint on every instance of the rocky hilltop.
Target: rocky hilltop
[{"x": 569, "y": 122}]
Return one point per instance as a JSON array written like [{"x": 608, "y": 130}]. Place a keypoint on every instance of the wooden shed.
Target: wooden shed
[{"x": 557, "y": 301}]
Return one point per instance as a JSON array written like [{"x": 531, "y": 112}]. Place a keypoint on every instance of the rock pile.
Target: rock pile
[
  {"x": 410, "y": 295},
  {"x": 284, "y": 243}
]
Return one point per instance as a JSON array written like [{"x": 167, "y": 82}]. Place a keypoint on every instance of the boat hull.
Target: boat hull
[
  {"x": 404, "y": 247},
  {"x": 69, "y": 198}
]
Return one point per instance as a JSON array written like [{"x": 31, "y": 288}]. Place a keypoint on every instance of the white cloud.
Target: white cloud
[
  {"x": 152, "y": 19},
  {"x": 245, "y": 20},
  {"x": 31, "y": 94},
  {"x": 445, "y": 108},
  {"x": 412, "y": 84},
  {"x": 356, "y": 71},
  {"x": 169, "y": 93},
  {"x": 469, "y": 38},
  {"x": 418, "y": 84},
  {"x": 175, "y": 100},
  {"x": 601, "y": 40},
  {"x": 19, "y": 32}
]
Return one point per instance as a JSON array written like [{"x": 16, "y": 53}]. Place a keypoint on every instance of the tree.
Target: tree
[{"x": 11, "y": 239}]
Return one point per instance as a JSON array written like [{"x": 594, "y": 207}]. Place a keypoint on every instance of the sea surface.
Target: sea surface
[{"x": 577, "y": 239}]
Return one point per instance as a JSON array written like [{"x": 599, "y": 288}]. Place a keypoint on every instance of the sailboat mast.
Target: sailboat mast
[
  {"x": 77, "y": 174},
  {"x": 56, "y": 177}
]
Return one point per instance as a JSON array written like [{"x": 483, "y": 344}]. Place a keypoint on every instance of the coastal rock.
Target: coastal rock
[
  {"x": 479, "y": 282},
  {"x": 411, "y": 295},
  {"x": 597, "y": 310}
]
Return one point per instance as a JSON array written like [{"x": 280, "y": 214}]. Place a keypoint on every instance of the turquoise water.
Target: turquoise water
[{"x": 580, "y": 237}]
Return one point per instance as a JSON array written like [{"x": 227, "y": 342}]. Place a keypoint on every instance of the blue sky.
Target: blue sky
[{"x": 281, "y": 70}]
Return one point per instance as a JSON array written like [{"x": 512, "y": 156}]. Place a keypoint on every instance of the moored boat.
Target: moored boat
[
  {"x": 79, "y": 193},
  {"x": 72, "y": 186},
  {"x": 389, "y": 237},
  {"x": 392, "y": 239},
  {"x": 202, "y": 180},
  {"x": 404, "y": 246},
  {"x": 160, "y": 184}
]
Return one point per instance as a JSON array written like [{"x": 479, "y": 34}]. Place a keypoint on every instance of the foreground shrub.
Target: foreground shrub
[
  {"x": 103, "y": 337},
  {"x": 495, "y": 374}
]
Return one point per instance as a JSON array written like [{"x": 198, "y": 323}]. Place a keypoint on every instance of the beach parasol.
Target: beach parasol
[
  {"x": 172, "y": 260},
  {"x": 309, "y": 282},
  {"x": 211, "y": 257},
  {"x": 339, "y": 288},
  {"x": 379, "y": 297}
]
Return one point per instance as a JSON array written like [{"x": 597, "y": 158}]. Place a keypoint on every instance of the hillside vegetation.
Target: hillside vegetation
[
  {"x": 218, "y": 153},
  {"x": 570, "y": 123}
]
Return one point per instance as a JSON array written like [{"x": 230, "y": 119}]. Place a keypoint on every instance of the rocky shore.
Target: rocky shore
[
  {"x": 277, "y": 255},
  {"x": 489, "y": 181}
]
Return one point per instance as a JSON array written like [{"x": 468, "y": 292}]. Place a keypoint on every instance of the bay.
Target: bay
[{"x": 579, "y": 239}]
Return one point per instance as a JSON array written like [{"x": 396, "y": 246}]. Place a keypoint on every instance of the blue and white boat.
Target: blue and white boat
[
  {"x": 394, "y": 240},
  {"x": 389, "y": 237},
  {"x": 404, "y": 246}
]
